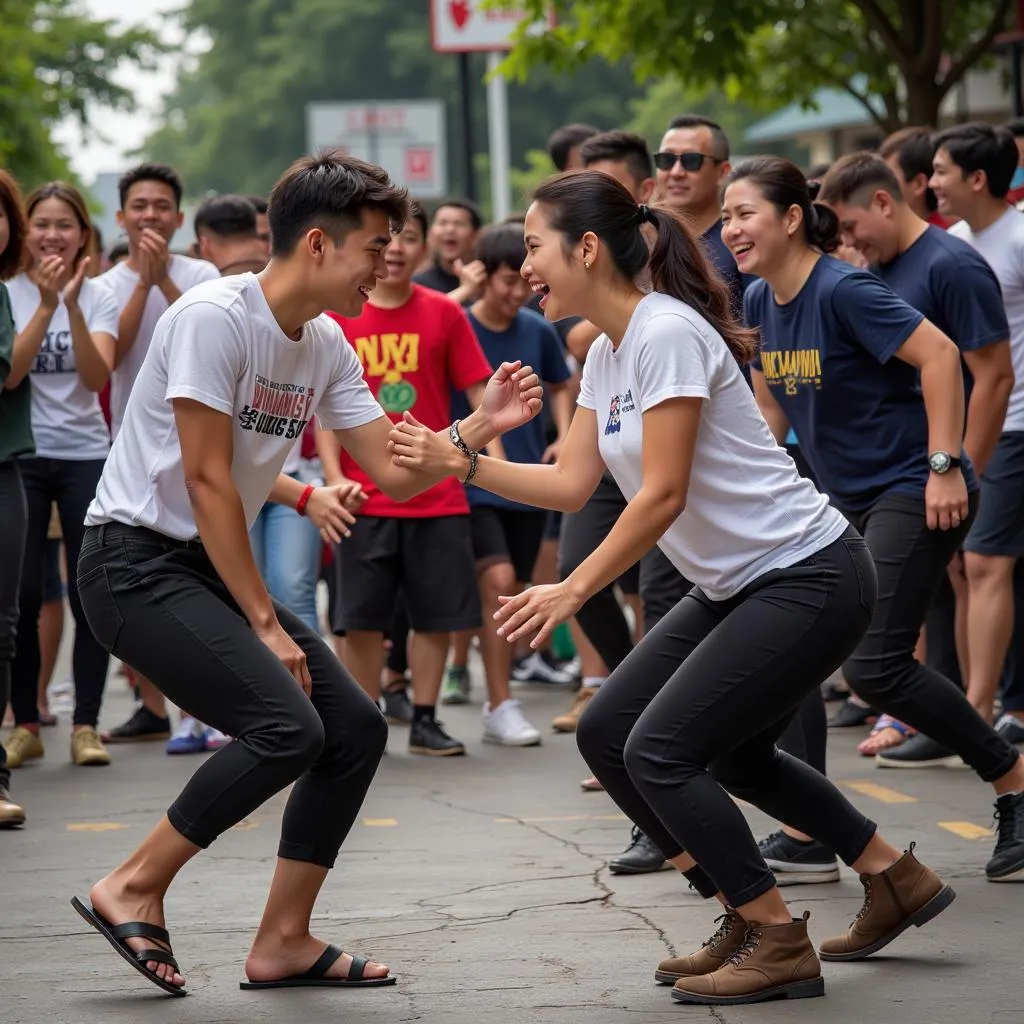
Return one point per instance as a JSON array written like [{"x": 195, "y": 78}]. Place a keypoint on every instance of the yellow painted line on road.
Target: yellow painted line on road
[
  {"x": 882, "y": 793},
  {"x": 966, "y": 829},
  {"x": 380, "y": 822},
  {"x": 568, "y": 817},
  {"x": 245, "y": 825},
  {"x": 94, "y": 826}
]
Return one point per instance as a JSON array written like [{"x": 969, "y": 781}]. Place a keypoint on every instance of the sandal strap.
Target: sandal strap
[
  {"x": 355, "y": 972},
  {"x": 160, "y": 956},
  {"x": 140, "y": 930},
  {"x": 325, "y": 962}
]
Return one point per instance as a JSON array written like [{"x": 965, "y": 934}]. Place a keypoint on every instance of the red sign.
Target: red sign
[{"x": 419, "y": 163}]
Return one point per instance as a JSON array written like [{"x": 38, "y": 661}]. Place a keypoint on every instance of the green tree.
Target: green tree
[
  {"x": 909, "y": 53},
  {"x": 237, "y": 118},
  {"x": 56, "y": 61}
]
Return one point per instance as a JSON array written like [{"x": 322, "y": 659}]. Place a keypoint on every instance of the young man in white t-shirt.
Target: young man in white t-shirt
[
  {"x": 144, "y": 286},
  {"x": 169, "y": 583},
  {"x": 972, "y": 170}
]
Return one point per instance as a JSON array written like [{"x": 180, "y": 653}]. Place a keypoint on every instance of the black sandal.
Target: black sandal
[
  {"x": 117, "y": 934},
  {"x": 315, "y": 975}
]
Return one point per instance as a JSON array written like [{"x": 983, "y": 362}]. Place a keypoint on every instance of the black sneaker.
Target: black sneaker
[
  {"x": 396, "y": 706},
  {"x": 641, "y": 857},
  {"x": 427, "y": 736},
  {"x": 832, "y": 692},
  {"x": 852, "y": 716},
  {"x": 919, "y": 752},
  {"x": 796, "y": 862},
  {"x": 1011, "y": 728},
  {"x": 141, "y": 727},
  {"x": 1007, "y": 863}
]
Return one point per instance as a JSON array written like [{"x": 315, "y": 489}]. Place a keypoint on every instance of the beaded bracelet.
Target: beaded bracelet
[{"x": 473, "y": 460}]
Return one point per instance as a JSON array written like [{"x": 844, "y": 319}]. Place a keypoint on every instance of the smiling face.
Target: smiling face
[
  {"x": 405, "y": 253},
  {"x": 755, "y": 232},
  {"x": 54, "y": 230},
  {"x": 559, "y": 278},
  {"x": 870, "y": 227},
  {"x": 955, "y": 192},
  {"x": 692, "y": 192},
  {"x": 345, "y": 274},
  {"x": 150, "y": 204},
  {"x": 505, "y": 293},
  {"x": 452, "y": 235}
]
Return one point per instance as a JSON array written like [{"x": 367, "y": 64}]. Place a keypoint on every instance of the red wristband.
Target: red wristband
[{"x": 300, "y": 505}]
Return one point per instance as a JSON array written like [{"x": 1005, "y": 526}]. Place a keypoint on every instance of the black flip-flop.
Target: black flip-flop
[
  {"x": 315, "y": 975},
  {"x": 116, "y": 935}
]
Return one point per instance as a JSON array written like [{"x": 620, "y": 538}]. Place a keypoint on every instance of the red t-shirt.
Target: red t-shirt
[
  {"x": 939, "y": 221},
  {"x": 413, "y": 357}
]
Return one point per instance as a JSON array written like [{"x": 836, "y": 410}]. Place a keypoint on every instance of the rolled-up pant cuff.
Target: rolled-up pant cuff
[{"x": 701, "y": 881}]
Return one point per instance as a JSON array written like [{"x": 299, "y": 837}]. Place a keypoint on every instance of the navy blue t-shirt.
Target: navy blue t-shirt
[
  {"x": 533, "y": 340},
  {"x": 951, "y": 283},
  {"x": 828, "y": 358}
]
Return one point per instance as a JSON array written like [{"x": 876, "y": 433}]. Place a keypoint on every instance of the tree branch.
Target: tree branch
[
  {"x": 977, "y": 50},
  {"x": 879, "y": 21},
  {"x": 929, "y": 55},
  {"x": 885, "y": 123}
]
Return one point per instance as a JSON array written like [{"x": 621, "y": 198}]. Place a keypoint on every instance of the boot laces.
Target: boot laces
[
  {"x": 725, "y": 925},
  {"x": 750, "y": 943},
  {"x": 867, "y": 899},
  {"x": 1005, "y": 823}
]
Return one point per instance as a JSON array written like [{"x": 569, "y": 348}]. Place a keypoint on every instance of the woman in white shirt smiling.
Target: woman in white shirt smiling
[
  {"x": 784, "y": 587},
  {"x": 66, "y": 325}
]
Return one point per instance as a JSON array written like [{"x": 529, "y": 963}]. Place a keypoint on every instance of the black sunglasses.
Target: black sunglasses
[{"x": 691, "y": 162}]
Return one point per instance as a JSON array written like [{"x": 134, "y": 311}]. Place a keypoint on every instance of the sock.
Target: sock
[
  {"x": 593, "y": 682},
  {"x": 422, "y": 713}
]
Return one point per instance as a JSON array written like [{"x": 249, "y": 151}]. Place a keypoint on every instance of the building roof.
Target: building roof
[{"x": 831, "y": 109}]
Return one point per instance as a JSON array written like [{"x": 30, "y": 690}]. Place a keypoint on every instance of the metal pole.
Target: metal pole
[
  {"x": 497, "y": 128},
  {"x": 466, "y": 121}
]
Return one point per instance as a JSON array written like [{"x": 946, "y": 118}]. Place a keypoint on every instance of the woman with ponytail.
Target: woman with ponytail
[
  {"x": 875, "y": 393},
  {"x": 784, "y": 586}
]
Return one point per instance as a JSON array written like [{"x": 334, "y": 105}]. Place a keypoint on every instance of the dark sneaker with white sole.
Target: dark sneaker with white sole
[
  {"x": 428, "y": 737},
  {"x": 143, "y": 726},
  {"x": 852, "y": 715},
  {"x": 919, "y": 752},
  {"x": 641, "y": 857},
  {"x": 1007, "y": 863},
  {"x": 795, "y": 862}
]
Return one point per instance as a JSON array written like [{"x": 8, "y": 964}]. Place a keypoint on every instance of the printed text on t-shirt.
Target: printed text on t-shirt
[
  {"x": 792, "y": 368},
  {"x": 56, "y": 354},
  {"x": 279, "y": 409}
]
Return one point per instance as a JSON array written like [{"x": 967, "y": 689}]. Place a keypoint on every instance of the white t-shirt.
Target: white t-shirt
[
  {"x": 1002, "y": 245},
  {"x": 121, "y": 280},
  {"x": 220, "y": 345},
  {"x": 67, "y": 420},
  {"x": 747, "y": 511}
]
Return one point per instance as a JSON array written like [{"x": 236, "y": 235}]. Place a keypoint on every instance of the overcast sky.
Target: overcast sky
[{"x": 118, "y": 133}]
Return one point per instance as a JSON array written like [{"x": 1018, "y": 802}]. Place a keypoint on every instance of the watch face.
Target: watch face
[{"x": 939, "y": 461}]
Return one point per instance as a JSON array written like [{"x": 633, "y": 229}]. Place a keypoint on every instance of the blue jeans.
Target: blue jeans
[{"x": 287, "y": 548}]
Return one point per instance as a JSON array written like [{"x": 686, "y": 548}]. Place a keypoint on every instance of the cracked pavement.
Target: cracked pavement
[{"x": 481, "y": 881}]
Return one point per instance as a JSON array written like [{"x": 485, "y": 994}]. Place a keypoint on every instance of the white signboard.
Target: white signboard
[
  {"x": 461, "y": 26},
  {"x": 406, "y": 138}
]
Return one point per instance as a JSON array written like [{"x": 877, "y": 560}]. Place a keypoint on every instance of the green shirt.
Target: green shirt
[{"x": 15, "y": 405}]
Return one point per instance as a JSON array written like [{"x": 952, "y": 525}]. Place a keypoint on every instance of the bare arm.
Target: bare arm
[
  {"x": 94, "y": 351},
  {"x": 580, "y": 338},
  {"x": 328, "y": 450},
  {"x": 207, "y": 448},
  {"x": 992, "y": 370},
  {"x": 777, "y": 421},
  {"x": 475, "y": 395},
  {"x": 130, "y": 321}
]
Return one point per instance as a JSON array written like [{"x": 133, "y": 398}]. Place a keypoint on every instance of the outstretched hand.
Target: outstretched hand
[
  {"x": 537, "y": 610},
  {"x": 513, "y": 396}
]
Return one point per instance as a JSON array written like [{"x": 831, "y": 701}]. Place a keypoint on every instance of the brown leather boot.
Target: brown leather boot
[
  {"x": 712, "y": 955},
  {"x": 906, "y": 894},
  {"x": 11, "y": 814},
  {"x": 774, "y": 962}
]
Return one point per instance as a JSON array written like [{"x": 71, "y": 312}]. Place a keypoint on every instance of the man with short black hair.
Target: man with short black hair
[
  {"x": 909, "y": 153},
  {"x": 168, "y": 581},
  {"x": 973, "y": 167},
  {"x": 227, "y": 234},
  {"x": 452, "y": 238},
  {"x": 262, "y": 221},
  {"x": 564, "y": 145}
]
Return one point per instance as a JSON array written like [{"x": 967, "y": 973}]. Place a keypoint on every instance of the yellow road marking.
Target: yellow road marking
[
  {"x": 381, "y": 822},
  {"x": 966, "y": 829},
  {"x": 568, "y": 817},
  {"x": 245, "y": 825},
  {"x": 882, "y": 793},
  {"x": 94, "y": 826}
]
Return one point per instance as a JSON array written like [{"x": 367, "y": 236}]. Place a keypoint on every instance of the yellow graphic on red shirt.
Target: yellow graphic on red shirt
[
  {"x": 388, "y": 356},
  {"x": 792, "y": 368}
]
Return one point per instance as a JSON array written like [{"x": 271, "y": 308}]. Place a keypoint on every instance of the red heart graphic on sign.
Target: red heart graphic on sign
[{"x": 460, "y": 12}]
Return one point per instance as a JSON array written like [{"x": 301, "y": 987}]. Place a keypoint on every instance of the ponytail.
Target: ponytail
[
  {"x": 679, "y": 268},
  {"x": 823, "y": 228}
]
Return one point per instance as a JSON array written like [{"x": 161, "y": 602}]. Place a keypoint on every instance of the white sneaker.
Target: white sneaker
[{"x": 507, "y": 726}]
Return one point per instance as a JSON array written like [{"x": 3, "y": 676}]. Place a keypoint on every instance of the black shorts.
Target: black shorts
[
  {"x": 999, "y": 526},
  {"x": 428, "y": 561},
  {"x": 507, "y": 535}
]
